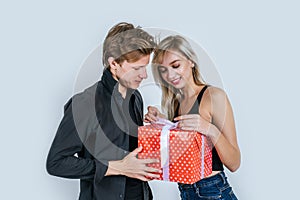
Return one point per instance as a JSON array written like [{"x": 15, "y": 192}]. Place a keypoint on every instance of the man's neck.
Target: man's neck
[{"x": 122, "y": 90}]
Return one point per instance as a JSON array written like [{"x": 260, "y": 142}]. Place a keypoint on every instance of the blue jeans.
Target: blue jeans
[{"x": 214, "y": 187}]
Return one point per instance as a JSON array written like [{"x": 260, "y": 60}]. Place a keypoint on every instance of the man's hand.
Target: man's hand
[{"x": 133, "y": 167}]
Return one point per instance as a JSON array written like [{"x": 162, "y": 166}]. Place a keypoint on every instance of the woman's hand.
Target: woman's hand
[
  {"x": 133, "y": 167},
  {"x": 194, "y": 122},
  {"x": 153, "y": 114}
]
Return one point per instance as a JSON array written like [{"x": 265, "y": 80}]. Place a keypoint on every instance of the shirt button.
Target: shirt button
[
  {"x": 125, "y": 152},
  {"x": 121, "y": 195}
]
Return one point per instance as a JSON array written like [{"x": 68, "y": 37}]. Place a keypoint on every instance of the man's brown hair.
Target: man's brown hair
[{"x": 125, "y": 42}]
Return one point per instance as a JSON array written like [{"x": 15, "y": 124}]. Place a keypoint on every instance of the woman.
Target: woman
[{"x": 196, "y": 106}]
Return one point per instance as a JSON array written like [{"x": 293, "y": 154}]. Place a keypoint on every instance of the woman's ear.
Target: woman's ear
[{"x": 192, "y": 64}]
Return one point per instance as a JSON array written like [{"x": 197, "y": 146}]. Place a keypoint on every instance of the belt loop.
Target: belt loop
[
  {"x": 223, "y": 177},
  {"x": 196, "y": 188},
  {"x": 195, "y": 185}
]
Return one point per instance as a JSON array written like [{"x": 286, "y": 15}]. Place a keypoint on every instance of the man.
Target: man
[{"x": 96, "y": 141}]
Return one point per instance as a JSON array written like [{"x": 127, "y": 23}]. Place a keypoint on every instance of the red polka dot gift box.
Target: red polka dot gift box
[{"x": 185, "y": 156}]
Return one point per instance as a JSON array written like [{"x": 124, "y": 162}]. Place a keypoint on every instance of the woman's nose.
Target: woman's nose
[{"x": 171, "y": 73}]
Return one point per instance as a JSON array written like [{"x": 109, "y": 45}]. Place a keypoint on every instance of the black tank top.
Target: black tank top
[{"x": 217, "y": 165}]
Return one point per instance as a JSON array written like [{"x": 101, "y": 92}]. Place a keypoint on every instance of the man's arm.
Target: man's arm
[{"x": 62, "y": 160}]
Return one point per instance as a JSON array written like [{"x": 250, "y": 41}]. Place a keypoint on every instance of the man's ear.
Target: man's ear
[{"x": 113, "y": 65}]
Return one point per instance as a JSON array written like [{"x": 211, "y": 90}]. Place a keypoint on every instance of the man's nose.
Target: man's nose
[{"x": 143, "y": 73}]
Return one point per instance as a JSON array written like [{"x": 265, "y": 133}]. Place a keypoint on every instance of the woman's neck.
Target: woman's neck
[{"x": 190, "y": 91}]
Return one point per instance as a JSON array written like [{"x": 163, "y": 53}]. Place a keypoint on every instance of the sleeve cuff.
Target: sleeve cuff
[{"x": 101, "y": 168}]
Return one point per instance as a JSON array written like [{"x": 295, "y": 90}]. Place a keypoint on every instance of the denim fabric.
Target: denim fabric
[{"x": 214, "y": 187}]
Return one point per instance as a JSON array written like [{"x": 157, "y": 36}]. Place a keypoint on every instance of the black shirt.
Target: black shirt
[{"x": 95, "y": 129}]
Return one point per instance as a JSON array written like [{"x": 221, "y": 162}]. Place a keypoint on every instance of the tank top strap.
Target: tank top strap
[
  {"x": 195, "y": 107},
  {"x": 201, "y": 93}
]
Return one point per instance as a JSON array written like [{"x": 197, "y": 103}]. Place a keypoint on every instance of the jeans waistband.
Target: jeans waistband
[{"x": 219, "y": 178}]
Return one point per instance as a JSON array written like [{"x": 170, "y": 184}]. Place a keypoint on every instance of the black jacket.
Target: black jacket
[{"x": 98, "y": 126}]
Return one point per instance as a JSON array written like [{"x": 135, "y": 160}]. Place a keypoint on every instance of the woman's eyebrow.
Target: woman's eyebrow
[{"x": 173, "y": 61}]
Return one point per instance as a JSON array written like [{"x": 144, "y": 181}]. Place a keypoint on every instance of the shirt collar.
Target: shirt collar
[
  {"x": 108, "y": 81},
  {"x": 112, "y": 85}
]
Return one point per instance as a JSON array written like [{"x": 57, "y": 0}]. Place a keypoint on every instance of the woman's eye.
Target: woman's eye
[
  {"x": 175, "y": 66},
  {"x": 162, "y": 70}
]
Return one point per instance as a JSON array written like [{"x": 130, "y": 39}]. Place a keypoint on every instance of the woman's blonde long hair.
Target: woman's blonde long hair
[{"x": 170, "y": 95}]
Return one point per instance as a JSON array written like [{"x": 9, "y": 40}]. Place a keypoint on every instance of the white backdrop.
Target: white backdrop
[{"x": 254, "y": 44}]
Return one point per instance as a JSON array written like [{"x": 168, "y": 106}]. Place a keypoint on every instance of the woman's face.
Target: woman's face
[{"x": 176, "y": 70}]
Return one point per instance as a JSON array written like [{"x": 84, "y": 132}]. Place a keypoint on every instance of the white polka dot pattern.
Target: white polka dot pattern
[{"x": 186, "y": 161}]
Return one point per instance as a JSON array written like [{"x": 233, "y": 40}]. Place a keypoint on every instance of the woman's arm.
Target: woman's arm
[
  {"x": 222, "y": 129},
  {"x": 217, "y": 122}
]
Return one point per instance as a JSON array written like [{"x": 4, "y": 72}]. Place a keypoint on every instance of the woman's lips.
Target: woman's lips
[{"x": 175, "y": 81}]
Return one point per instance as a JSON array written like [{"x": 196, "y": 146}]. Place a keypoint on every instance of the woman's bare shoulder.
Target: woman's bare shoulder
[{"x": 215, "y": 93}]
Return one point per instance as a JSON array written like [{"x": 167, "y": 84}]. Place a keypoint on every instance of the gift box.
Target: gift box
[{"x": 185, "y": 156}]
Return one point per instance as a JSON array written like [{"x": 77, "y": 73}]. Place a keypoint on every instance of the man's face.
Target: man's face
[{"x": 130, "y": 75}]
